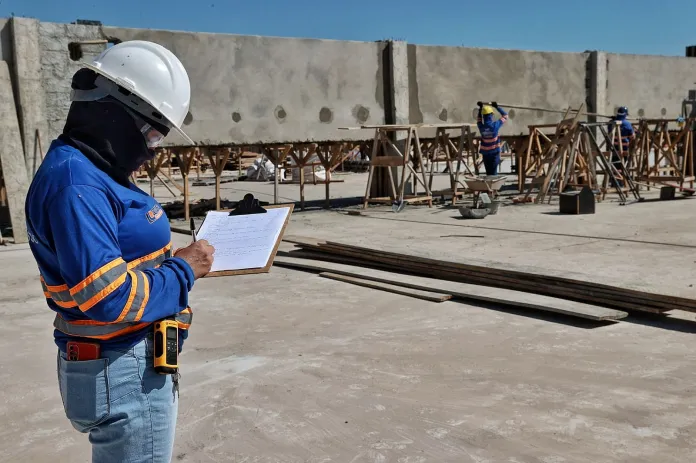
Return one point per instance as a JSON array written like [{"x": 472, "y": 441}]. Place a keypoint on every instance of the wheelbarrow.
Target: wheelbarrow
[{"x": 489, "y": 184}]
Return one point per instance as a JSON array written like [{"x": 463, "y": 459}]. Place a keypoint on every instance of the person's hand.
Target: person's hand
[
  {"x": 199, "y": 256},
  {"x": 479, "y": 104},
  {"x": 494, "y": 104}
]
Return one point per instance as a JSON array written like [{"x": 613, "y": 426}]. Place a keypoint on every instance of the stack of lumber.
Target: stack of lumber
[
  {"x": 586, "y": 292},
  {"x": 436, "y": 290}
]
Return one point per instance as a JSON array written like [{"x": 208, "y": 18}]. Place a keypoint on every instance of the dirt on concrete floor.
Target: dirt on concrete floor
[{"x": 291, "y": 367}]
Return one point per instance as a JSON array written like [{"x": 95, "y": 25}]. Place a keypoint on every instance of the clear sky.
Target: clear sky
[{"x": 637, "y": 26}]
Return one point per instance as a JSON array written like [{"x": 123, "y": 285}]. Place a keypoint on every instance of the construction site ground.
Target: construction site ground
[{"x": 292, "y": 367}]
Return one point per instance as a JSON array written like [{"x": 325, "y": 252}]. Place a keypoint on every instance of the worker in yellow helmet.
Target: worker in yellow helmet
[{"x": 490, "y": 140}]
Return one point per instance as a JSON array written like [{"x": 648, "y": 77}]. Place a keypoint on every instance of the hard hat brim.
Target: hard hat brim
[
  {"x": 184, "y": 136},
  {"x": 146, "y": 100}
]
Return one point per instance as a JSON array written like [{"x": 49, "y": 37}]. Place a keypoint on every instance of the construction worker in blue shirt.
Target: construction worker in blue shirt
[
  {"x": 490, "y": 138},
  {"x": 621, "y": 139},
  {"x": 103, "y": 249}
]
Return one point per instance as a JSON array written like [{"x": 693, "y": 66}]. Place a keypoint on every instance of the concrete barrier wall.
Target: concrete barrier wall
[
  {"x": 651, "y": 86},
  {"x": 446, "y": 83},
  {"x": 248, "y": 89}
]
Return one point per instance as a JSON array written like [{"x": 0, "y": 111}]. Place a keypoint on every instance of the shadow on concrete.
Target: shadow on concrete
[
  {"x": 468, "y": 219},
  {"x": 662, "y": 321},
  {"x": 320, "y": 204},
  {"x": 551, "y": 317},
  {"x": 552, "y": 213}
]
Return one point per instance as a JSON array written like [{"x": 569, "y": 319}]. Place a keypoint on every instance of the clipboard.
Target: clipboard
[{"x": 250, "y": 205}]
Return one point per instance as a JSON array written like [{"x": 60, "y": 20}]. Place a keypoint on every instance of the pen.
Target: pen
[{"x": 193, "y": 230}]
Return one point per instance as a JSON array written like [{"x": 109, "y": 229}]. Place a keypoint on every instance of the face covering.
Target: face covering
[
  {"x": 115, "y": 138},
  {"x": 108, "y": 136}
]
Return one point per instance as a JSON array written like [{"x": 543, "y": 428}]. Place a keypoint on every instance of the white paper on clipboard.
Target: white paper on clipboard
[{"x": 242, "y": 241}]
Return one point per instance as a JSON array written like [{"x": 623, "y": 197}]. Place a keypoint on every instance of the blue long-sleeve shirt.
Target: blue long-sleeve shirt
[
  {"x": 103, "y": 252},
  {"x": 490, "y": 139},
  {"x": 626, "y": 132}
]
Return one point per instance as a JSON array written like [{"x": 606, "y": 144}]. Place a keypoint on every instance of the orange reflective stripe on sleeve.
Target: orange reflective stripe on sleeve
[
  {"x": 141, "y": 298},
  {"x": 59, "y": 294},
  {"x": 151, "y": 260},
  {"x": 99, "y": 284},
  {"x": 131, "y": 297}
]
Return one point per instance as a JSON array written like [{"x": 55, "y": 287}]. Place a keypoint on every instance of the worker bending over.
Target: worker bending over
[
  {"x": 490, "y": 140},
  {"x": 622, "y": 140}
]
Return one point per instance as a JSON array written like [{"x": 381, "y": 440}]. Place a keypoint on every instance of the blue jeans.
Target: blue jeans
[
  {"x": 128, "y": 409},
  {"x": 490, "y": 162}
]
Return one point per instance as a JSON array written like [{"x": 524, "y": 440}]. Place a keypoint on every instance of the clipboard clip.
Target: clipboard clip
[{"x": 248, "y": 205}]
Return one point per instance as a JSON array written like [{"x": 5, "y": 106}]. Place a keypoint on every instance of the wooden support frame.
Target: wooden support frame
[
  {"x": 530, "y": 156},
  {"x": 152, "y": 167},
  {"x": 673, "y": 150},
  {"x": 554, "y": 162},
  {"x": 302, "y": 154},
  {"x": 277, "y": 154},
  {"x": 385, "y": 154},
  {"x": 331, "y": 156},
  {"x": 185, "y": 162},
  {"x": 444, "y": 149},
  {"x": 218, "y": 159},
  {"x": 167, "y": 154},
  {"x": 575, "y": 158}
]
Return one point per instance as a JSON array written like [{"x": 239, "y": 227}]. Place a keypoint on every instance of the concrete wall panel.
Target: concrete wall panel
[
  {"x": 57, "y": 69},
  {"x": 6, "y": 41},
  {"x": 11, "y": 156},
  {"x": 30, "y": 89},
  {"x": 248, "y": 89},
  {"x": 651, "y": 86},
  {"x": 446, "y": 83}
]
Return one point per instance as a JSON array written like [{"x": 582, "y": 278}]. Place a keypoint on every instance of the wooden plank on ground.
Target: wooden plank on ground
[
  {"x": 388, "y": 287},
  {"x": 459, "y": 291},
  {"x": 534, "y": 280},
  {"x": 528, "y": 280}
]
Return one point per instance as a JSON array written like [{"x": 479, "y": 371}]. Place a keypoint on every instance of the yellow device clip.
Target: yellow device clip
[{"x": 166, "y": 347}]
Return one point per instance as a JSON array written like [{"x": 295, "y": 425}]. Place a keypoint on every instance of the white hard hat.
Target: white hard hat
[{"x": 151, "y": 76}]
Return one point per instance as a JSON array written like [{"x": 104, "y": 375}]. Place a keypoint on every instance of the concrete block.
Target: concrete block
[{"x": 11, "y": 156}]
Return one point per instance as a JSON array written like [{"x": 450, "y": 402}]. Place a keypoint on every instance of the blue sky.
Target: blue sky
[{"x": 639, "y": 26}]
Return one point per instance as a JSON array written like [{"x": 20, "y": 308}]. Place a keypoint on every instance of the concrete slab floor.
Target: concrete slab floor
[{"x": 290, "y": 367}]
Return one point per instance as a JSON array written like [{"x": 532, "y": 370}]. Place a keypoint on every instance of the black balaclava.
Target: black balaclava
[{"x": 105, "y": 132}]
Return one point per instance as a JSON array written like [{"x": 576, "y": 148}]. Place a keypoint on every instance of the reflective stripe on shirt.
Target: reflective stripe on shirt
[
  {"x": 105, "y": 331},
  {"x": 98, "y": 286},
  {"x": 93, "y": 289},
  {"x": 60, "y": 295}
]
